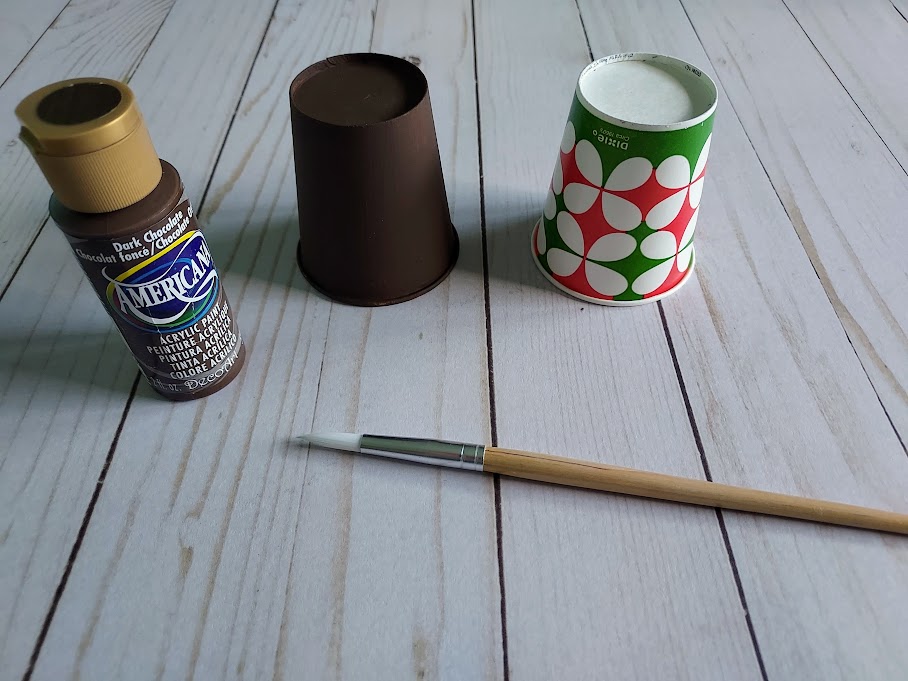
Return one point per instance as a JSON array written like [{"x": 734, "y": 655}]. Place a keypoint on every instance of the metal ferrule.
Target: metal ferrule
[{"x": 436, "y": 452}]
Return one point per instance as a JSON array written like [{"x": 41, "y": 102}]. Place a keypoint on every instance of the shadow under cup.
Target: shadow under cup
[
  {"x": 373, "y": 213},
  {"x": 621, "y": 211}
]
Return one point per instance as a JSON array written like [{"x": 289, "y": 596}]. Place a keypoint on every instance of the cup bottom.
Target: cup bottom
[
  {"x": 612, "y": 303},
  {"x": 364, "y": 302}
]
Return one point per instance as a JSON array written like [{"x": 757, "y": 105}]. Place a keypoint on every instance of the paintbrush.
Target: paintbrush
[{"x": 599, "y": 476}]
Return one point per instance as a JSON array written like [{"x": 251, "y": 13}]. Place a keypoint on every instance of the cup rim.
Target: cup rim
[
  {"x": 648, "y": 56},
  {"x": 336, "y": 60},
  {"x": 365, "y": 301},
  {"x": 599, "y": 301}
]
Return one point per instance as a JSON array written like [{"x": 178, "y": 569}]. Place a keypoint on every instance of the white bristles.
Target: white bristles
[{"x": 348, "y": 442}]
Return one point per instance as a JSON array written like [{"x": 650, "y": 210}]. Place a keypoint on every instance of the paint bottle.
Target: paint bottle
[{"x": 134, "y": 233}]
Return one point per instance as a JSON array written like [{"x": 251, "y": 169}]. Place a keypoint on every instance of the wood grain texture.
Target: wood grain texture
[
  {"x": 865, "y": 45},
  {"x": 66, "y": 373},
  {"x": 780, "y": 400},
  {"x": 65, "y": 378},
  {"x": 901, "y": 6},
  {"x": 222, "y": 550},
  {"x": 218, "y": 549},
  {"x": 594, "y": 584},
  {"x": 89, "y": 38},
  {"x": 22, "y": 25},
  {"x": 841, "y": 187}
]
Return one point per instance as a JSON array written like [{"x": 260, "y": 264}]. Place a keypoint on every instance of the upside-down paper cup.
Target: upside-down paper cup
[
  {"x": 619, "y": 217},
  {"x": 373, "y": 212}
]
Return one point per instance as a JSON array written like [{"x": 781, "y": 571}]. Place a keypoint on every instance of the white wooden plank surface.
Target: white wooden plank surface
[
  {"x": 66, "y": 374},
  {"x": 63, "y": 392},
  {"x": 842, "y": 189},
  {"x": 234, "y": 553},
  {"x": 219, "y": 550},
  {"x": 595, "y": 585},
  {"x": 89, "y": 38},
  {"x": 901, "y": 6},
  {"x": 22, "y": 25},
  {"x": 866, "y": 46},
  {"x": 769, "y": 372}
]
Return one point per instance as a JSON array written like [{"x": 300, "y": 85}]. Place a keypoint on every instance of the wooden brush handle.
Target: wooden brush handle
[{"x": 589, "y": 475}]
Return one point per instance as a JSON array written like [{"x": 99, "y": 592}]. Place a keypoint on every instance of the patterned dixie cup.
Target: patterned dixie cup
[{"x": 619, "y": 217}]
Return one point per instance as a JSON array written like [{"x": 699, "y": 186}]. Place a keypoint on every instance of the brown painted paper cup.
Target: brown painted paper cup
[
  {"x": 621, "y": 211},
  {"x": 373, "y": 213}
]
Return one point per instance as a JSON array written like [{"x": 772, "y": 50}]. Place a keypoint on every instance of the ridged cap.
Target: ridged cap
[{"x": 91, "y": 143}]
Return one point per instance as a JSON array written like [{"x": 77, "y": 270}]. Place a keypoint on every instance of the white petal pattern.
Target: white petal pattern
[
  {"x": 563, "y": 263},
  {"x": 588, "y": 162},
  {"x": 674, "y": 172},
  {"x": 558, "y": 177},
  {"x": 579, "y": 198},
  {"x": 688, "y": 234},
  {"x": 620, "y": 213},
  {"x": 605, "y": 281},
  {"x": 696, "y": 191},
  {"x": 550, "y": 207},
  {"x": 540, "y": 238},
  {"x": 570, "y": 232},
  {"x": 630, "y": 174},
  {"x": 567, "y": 140},
  {"x": 701, "y": 159},
  {"x": 612, "y": 247},
  {"x": 663, "y": 213},
  {"x": 659, "y": 245},
  {"x": 684, "y": 256},
  {"x": 652, "y": 279}
]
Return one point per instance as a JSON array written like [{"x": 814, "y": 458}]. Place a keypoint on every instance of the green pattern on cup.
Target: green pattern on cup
[{"x": 641, "y": 184}]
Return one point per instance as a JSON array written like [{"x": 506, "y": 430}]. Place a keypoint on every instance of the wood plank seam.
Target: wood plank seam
[
  {"x": 750, "y": 538},
  {"x": 318, "y": 388},
  {"x": 693, "y": 425},
  {"x": 725, "y": 537},
  {"x": 493, "y": 425},
  {"x": 831, "y": 296},
  {"x": 837, "y": 306},
  {"x": 126, "y": 79},
  {"x": 197, "y": 639},
  {"x": 236, "y": 108},
  {"x": 832, "y": 70},
  {"x": 37, "y": 40},
  {"x": 586, "y": 35},
  {"x": 745, "y": 648},
  {"x": 374, "y": 22},
  {"x": 77, "y": 544},
  {"x": 131, "y": 72},
  {"x": 237, "y": 624},
  {"x": 898, "y": 435},
  {"x": 698, "y": 440},
  {"x": 24, "y": 256},
  {"x": 278, "y": 653},
  {"x": 69, "y": 17},
  {"x": 61, "y": 586}
]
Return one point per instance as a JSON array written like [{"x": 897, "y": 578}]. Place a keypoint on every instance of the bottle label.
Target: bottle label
[{"x": 162, "y": 290}]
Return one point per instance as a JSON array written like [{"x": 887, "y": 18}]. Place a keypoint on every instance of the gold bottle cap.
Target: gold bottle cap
[{"x": 91, "y": 143}]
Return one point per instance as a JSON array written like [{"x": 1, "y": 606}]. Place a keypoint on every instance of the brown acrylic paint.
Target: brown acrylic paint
[
  {"x": 134, "y": 233},
  {"x": 375, "y": 228}
]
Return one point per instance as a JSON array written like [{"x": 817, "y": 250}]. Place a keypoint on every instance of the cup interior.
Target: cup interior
[{"x": 647, "y": 91}]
